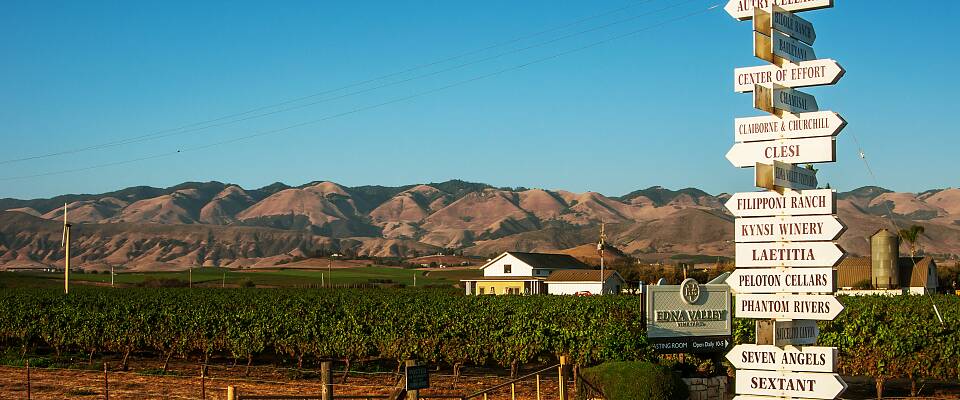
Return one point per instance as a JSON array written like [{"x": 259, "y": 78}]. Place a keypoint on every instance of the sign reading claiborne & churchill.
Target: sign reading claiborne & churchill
[{"x": 689, "y": 317}]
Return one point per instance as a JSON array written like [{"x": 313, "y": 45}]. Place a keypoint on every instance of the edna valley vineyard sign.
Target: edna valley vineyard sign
[{"x": 689, "y": 317}]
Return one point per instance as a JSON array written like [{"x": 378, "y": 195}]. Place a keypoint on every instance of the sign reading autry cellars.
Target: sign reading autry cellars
[
  {"x": 819, "y": 307},
  {"x": 678, "y": 313},
  {"x": 781, "y": 280},
  {"x": 787, "y": 229},
  {"x": 794, "y": 126},
  {"x": 793, "y": 151},
  {"x": 804, "y": 74},
  {"x": 789, "y": 384},
  {"x": 744, "y": 9},
  {"x": 792, "y": 254},
  {"x": 764, "y": 204},
  {"x": 773, "y": 358}
]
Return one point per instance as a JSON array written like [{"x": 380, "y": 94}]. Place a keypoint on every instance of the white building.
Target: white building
[
  {"x": 584, "y": 282},
  {"x": 520, "y": 273}
]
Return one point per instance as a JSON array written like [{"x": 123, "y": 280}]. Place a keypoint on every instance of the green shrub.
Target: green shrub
[{"x": 637, "y": 380}]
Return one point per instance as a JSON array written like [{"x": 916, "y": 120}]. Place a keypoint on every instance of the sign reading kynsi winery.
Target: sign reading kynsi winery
[
  {"x": 780, "y": 175},
  {"x": 791, "y": 126},
  {"x": 688, "y": 309},
  {"x": 773, "y": 358},
  {"x": 798, "y": 332},
  {"x": 792, "y": 151},
  {"x": 764, "y": 204},
  {"x": 792, "y": 254},
  {"x": 786, "y": 306},
  {"x": 743, "y": 9},
  {"x": 787, "y": 228},
  {"x": 776, "y": 99},
  {"x": 805, "y": 74},
  {"x": 774, "y": 18},
  {"x": 781, "y": 280},
  {"x": 789, "y": 384}
]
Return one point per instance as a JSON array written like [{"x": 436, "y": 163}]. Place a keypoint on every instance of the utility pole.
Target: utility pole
[{"x": 190, "y": 276}]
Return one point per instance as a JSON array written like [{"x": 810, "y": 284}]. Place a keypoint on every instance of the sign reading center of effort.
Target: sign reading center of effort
[{"x": 803, "y": 74}]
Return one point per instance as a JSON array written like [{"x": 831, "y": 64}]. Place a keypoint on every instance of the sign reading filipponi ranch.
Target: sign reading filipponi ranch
[
  {"x": 795, "y": 126},
  {"x": 677, "y": 313},
  {"x": 762, "y": 204}
]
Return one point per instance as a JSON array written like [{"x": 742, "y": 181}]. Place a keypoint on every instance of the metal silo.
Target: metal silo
[{"x": 885, "y": 253}]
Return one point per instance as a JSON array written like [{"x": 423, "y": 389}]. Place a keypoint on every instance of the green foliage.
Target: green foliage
[{"x": 637, "y": 380}]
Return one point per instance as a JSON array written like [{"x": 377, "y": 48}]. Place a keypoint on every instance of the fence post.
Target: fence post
[
  {"x": 562, "y": 384},
  {"x": 513, "y": 391},
  {"x": 538, "y": 386},
  {"x": 106, "y": 383},
  {"x": 326, "y": 375},
  {"x": 28, "y": 379},
  {"x": 231, "y": 393},
  {"x": 203, "y": 383},
  {"x": 411, "y": 394}
]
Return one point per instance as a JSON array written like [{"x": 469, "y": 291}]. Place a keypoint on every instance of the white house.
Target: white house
[
  {"x": 520, "y": 273},
  {"x": 584, "y": 281}
]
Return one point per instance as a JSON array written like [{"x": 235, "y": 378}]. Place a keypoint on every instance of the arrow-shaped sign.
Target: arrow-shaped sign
[
  {"x": 819, "y": 307},
  {"x": 787, "y": 229},
  {"x": 798, "y": 332},
  {"x": 794, "y": 254},
  {"x": 780, "y": 175},
  {"x": 773, "y": 358},
  {"x": 743, "y": 9},
  {"x": 807, "y": 73},
  {"x": 776, "y": 99},
  {"x": 792, "y": 151},
  {"x": 774, "y": 18},
  {"x": 789, "y": 384},
  {"x": 781, "y": 280},
  {"x": 791, "y": 126},
  {"x": 763, "y": 204},
  {"x": 780, "y": 49}
]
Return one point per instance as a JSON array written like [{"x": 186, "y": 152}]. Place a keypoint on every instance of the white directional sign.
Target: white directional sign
[
  {"x": 780, "y": 49},
  {"x": 773, "y": 358},
  {"x": 807, "y": 73},
  {"x": 764, "y": 204},
  {"x": 791, "y": 126},
  {"x": 781, "y": 280},
  {"x": 775, "y": 99},
  {"x": 774, "y": 18},
  {"x": 743, "y": 9},
  {"x": 780, "y": 175},
  {"x": 789, "y": 384},
  {"x": 820, "y": 307},
  {"x": 799, "y": 332},
  {"x": 793, "y": 151},
  {"x": 794, "y": 254},
  {"x": 787, "y": 229}
]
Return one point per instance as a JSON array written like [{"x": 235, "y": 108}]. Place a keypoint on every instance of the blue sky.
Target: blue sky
[{"x": 654, "y": 108}]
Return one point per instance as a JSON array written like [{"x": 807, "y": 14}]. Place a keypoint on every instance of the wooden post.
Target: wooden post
[
  {"x": 203, "y": 383},
  {"x": 538, "y": 386},
  {"x": 562, "y": 384},
  {"x": 411, "y": 394},
  {"x": 106, "y": 383},
  {"x": 231, "y": 393},
  {"x": 326, "y": 375},
  {"x": 513, "y": 391},
  {"x": 28, "y": 379}
]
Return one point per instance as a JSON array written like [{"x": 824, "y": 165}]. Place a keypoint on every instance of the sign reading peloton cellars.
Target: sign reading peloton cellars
[
  {"x": 792, "y": 151},
  {"x": 743, "y": 9},
  {"x": 787, "y": 229},
  {"x": 781, "y": 280},
  {"x": 807, "y": 73},
  {"x": 791, "y": 126},
  {"x": 773, "y": 358},
  {"x": 789, "y": 384},
  {"x": 766, "y": 204},
  {"x": 794, "y": 254},
  {"x": 688, "y": 309},
  {"x": 819, "y": 307}
]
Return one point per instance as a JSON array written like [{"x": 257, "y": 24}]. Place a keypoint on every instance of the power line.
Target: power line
[
  {"x": 201, "y": 125},
  {"x": 378, "y": 105}
]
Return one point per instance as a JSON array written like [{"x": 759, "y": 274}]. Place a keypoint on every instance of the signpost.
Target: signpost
[
  {"x": 781, "y": 280},
  {"x": 743, "y": 9},
  {"x": 787, "y": 229},
  {"x": 766, "y": 204},
  {"x": 777, "y": 99},
  {"x": 793, "y": 151},
  {"x": 773, "y": 358},
  {"x": 789, "y": 384},
  {"x": 776, "y": 19},
  {"x": 817, "y": 307},
  {"x": 794, "y": 126},
  {"x": 804, "y": 74},
  {"x": 784, "y": 254},
  {"x": 417, "y": 377}
]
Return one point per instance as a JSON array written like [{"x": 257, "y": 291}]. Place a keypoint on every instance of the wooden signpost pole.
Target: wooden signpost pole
[{"x": 785, "y": 250}]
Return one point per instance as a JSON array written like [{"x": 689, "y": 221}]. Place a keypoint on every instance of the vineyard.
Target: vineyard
[{"x": 878, "y": 337}]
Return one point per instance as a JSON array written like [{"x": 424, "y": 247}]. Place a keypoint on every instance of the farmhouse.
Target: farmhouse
[
  {"x": 574, "y": 281},
  {"x": 885, "y": 272},
  {"x": 520, "y": 273}
]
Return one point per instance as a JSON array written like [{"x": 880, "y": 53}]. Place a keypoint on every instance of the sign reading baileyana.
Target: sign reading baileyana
[{"x": 689, "y": 318}]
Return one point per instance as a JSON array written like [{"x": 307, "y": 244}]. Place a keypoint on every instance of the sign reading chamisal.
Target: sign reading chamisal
[{"x": 677, "y": 313}]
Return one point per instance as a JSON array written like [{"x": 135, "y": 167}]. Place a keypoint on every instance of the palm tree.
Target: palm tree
[{"x": 912, "y": 236}]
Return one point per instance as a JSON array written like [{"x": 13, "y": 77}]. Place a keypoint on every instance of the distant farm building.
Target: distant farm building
[
  {"x": 885, "y": 272},
  {"x": 529, "y": 273},
  {"x": 574, "y": 281}
]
